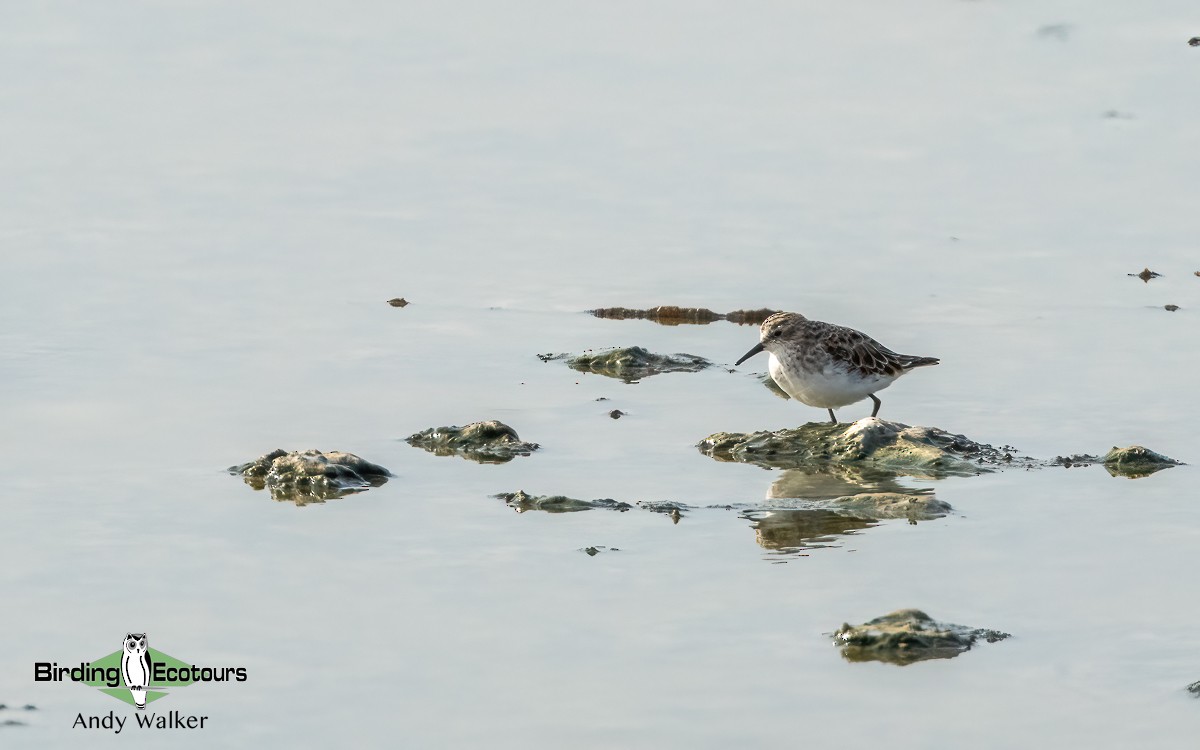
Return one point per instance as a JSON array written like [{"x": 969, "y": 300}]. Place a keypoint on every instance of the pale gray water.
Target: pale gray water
[{"x": 206, "y": 206}]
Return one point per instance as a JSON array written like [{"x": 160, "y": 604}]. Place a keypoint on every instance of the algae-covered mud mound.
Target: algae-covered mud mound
[
  {"x": 921, "y": 451},
  {"x": 670, "y": 315},
  {"x": 489, "y": 442},
  {"x": 629, "y": 364},
  {"x": 906, "y": 636},
  {"x": 521, "y": 502},
  {"x": 913, "y": 451},
  {"x": 310, "y": 476},
  {"x": 1133, "y": 462}
]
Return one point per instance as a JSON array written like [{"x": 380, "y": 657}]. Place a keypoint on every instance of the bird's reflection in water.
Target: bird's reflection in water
[
  {"x": 832, "y": 481},
  {"x": 791, "y": 531},
  {"x": 810, "y": 508}
]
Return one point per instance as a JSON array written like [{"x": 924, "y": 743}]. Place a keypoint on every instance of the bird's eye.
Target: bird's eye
[{"x": 777, "y": 333}]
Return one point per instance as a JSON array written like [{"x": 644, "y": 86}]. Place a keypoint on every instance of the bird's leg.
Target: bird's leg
[
  {"x": 833, "y": 419},
  {"x": 878, "y": 404}
]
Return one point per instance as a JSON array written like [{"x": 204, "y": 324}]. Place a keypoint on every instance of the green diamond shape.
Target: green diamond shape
[{"x": 122, "y": 693}]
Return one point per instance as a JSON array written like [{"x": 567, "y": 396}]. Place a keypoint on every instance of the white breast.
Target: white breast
[{"x": 828, "y": 388}]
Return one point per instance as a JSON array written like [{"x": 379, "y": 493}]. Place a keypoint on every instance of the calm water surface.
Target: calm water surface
[{"x": 207, "y": 205}]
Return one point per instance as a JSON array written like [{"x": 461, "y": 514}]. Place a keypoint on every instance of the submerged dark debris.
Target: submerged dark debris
[
  {"x": 907, "y": 636},
  {"x": 487, "y": 442},
  {"x": 310, "y": 476},
  {"x": 670, "y": 315}
]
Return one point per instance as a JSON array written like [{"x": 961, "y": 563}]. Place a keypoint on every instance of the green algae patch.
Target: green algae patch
[
  {"x": 907, "y": 636},
  {"x": 311, "y": 476},
  {"x": 916, "y": 451},
  {"x": 488, "y": 442},
  {"x": 630, "y": 364}
]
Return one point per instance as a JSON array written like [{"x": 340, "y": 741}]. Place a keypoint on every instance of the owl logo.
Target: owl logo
[{"x": 135, "y": 667}]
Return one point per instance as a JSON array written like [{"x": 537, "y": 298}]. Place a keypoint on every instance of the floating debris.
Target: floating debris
[
  {"x": 1145, "y": 275},
  {"x": 487, "y": 442},
  {"x": 1194, "y": 688},
  {"x": 398, "y": 302},
  {"x": 629, "y": 364},
  {"x": 674, "y": 510},
  {"x": 521, "y": 502},
  {"x": 597, "y": 549},
  {"x": 1170, "y": 308},
  {"x": 670, "y": 315},
  {"x": 616, "y": 414},
  {"x": 907, "y": 636},
  {"x": 311, "y": 476},
  {"x": 1195, "y": 42},
  {"x": 749, "y": 317}
]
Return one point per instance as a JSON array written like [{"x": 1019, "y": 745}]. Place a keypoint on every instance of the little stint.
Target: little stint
[{"x": 829, "y": 366}]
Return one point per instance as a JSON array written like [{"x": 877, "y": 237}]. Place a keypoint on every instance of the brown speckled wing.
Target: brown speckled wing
[{"x": 859, "y": 352}]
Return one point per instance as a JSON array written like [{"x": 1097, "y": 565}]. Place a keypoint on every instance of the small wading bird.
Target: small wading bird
[{"x": 828, "y": 366}]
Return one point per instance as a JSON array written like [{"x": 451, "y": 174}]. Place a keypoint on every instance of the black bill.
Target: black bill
[{"x": 757, "y": 348}]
